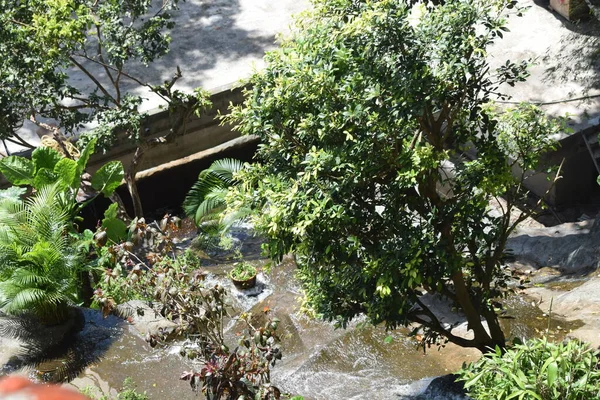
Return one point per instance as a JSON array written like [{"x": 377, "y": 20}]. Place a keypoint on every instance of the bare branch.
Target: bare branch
[{"x": 92, "y": 77}]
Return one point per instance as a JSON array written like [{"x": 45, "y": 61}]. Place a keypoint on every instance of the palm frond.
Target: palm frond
[
  {"x": 213, "y": 204},
  {"x": 225, "y": 169},
  {"x": 38, "y": 263},
  {"x": 232, "y": 218},
  {"x": 208, "y": 193},
  {"x": 26, "y": 278}
]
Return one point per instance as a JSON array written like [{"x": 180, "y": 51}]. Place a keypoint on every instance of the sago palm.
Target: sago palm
[
  {"x": 38, "y": 259},
  {"x": 206, "y": 199}
]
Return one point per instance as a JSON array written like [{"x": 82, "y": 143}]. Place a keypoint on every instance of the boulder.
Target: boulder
[
  {"x": 444, "y": 388},
  {"x": 580, "y": 303},
  {"x": 571, "y": 248},
  {"x": 146, "y": 321}
]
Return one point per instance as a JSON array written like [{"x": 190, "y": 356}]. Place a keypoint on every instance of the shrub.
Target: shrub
[
  {"x": 39, "y": 259},
  {"x": 536, "y": 369},
  {"x": 200, "y": 310}
]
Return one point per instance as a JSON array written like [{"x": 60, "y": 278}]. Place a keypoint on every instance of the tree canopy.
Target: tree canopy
[
  {"x": 43, "y": 41},
  {"x": 368, "y": 115}
]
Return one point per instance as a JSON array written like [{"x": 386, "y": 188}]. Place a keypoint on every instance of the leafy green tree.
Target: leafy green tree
[
  {"x": 41, "y": 41},
  {"x": 367, "y": 116}
]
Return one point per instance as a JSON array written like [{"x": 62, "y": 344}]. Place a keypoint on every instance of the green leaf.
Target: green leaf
[
  {"x": 111, "y": 211},
  {"x": 108, "y": 178},
  {"x": 552, "y": 373},
  {"x": 85, "y": 155},
  {"x": 389, "y": 339},
  {"x": 45, "y": 157},
  {"x": 43, "y": 177},
  {"x": 66, "y": 169},
  {"x": 473, "y": 380},
  {"x": 115, "y": 229},
  {"x": 13, "y": 193},
  {"x": 17, "y": 170}
]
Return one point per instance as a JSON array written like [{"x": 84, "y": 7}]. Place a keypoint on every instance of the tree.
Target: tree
[
  {"x": 367, "y": 115},
  {"x": 42, "y": 40}
]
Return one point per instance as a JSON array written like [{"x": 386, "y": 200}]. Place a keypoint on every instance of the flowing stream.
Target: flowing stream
[{"x": 319, "y": 362}]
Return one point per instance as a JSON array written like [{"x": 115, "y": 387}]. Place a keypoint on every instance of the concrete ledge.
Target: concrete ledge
[
  {"x": 235, "y": 144},
  {"x": 202, "y": 134}
]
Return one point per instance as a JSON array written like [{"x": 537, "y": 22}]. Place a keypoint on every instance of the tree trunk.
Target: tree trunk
[
  {"x": 473, "y": 316},
  {"x": 131, "y": 182},
  {"x": 498, "y": 338}
]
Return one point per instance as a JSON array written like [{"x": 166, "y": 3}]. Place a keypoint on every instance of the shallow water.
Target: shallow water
[{"x": 319, "y": 362}]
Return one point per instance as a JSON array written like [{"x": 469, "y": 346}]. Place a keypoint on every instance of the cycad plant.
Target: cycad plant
[
  {"x": 206, "y": 199},
  {"x": 39, "y": 261}
]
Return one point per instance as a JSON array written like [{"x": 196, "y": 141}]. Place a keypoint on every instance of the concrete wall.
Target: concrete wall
[
  {"x": 206, "y": 139},
  {"x": 202, "y": 133},
  {"x": 578, "y": 183}
]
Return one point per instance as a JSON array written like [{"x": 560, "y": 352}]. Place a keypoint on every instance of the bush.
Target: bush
[
  {"x": 199, "y": 309},
  {"x": 536, "y": 369},
  {"x": 243, "y": 271},
  {"x": 39, "y": 260}
]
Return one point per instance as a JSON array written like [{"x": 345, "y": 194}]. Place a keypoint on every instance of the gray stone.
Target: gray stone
[
  {"x": 146, "y": 321},
  {"x": 580, "y": 303},
  {"x": 570, "y": 248},
  {"x": 444, "y": 388}
]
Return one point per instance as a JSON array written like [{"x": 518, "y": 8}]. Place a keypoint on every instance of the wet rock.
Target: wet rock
[
  {"x": 571, "y": 248},
  {"x": 118, "y": 352},
  {"x": 60, "y": 352},
  {"x": 580, "y": 303},
  {"x": 145, "y": 320},
  {"x": 444, "y": 388},
  {"x": 241, "y": 239}
]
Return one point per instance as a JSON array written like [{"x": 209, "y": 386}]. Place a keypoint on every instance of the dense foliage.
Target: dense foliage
[
  {"x": 42, "y": 42},
  {"x": 43, "y": 269},
  {"x": 176, "y": 284},
  {"x": 369, "y": 116},
  {"x": 538, "y": 370},
  {"x": 39, "y": 260}
]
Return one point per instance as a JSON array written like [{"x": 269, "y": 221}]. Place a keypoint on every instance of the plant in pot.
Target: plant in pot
[{"x": 243, "y": 275}]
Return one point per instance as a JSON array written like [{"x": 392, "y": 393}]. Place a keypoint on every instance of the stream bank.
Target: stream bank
[{"x": 319, "y": 361}]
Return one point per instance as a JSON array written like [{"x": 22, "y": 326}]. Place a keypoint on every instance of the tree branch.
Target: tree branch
[{"x": 92, "y": 77}]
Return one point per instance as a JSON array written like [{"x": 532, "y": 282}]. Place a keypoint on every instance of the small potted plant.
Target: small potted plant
[{"x": 243, "y": 275}]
